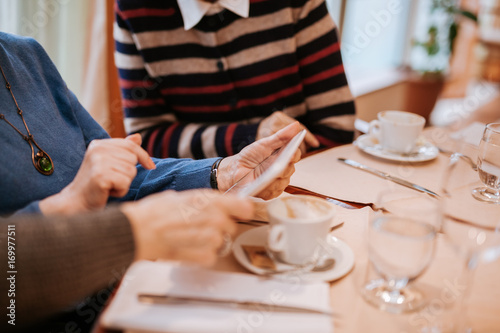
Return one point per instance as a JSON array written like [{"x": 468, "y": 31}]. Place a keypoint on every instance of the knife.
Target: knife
[
  {"x": 384, "y": 175},
  {"x": 245, "y": 305}
]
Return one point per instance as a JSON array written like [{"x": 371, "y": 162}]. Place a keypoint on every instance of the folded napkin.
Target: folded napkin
[{"x": 127, "y": 313}]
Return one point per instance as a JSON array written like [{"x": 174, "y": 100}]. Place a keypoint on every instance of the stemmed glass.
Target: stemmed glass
[
  {"x": 489, "y": 165},
  {"x": 472, "y": 227},
  {"x": 401, "y": 241}
]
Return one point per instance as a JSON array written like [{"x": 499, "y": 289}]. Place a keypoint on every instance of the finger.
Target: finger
[
  {"x": 281, "y": 137},
  {"x": 194, "y": 236},
  {"x": 142, "y": 156},
  {"x": 296, "y": 157},
  {"x": 123, "y": 167},
  {"x": 205, "y": 255},
  {"x": 118, "y": 148},
  {"x": 288, "y": 172},
  {"x": 310, "y": 139},
  {"x": 136, "y": 138},
  {"x": 267, "y": 194},
  {"x": 275, "y": 189},
  {"x": 119, "y": 185},
  {"x": 303, "y": 148},
  {"x": 237, "y": 208},
  {"x": 224, "y": 221}
]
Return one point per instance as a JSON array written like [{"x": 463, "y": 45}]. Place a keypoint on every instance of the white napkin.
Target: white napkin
[
  {"x": 471, "y": 134},
  {"x": 127, "y": 313}
]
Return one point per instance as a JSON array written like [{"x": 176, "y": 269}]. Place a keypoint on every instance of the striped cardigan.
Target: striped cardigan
[{"x": 203, "y": 92}]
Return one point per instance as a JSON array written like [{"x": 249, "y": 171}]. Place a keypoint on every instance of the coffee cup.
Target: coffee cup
[
  {"x": 397, "y": 131},
  {"x": 299, "y": 225}
]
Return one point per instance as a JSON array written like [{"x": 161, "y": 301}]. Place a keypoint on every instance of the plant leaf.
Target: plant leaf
[
  {"x": 468, "y": 14},
  {"x": 452, "y": 34}
]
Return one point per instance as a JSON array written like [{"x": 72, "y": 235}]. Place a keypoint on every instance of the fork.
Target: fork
[{"x": 462, "y": 156}]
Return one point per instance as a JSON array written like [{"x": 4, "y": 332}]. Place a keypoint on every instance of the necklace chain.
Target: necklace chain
[{"x": 41, "y": 160}]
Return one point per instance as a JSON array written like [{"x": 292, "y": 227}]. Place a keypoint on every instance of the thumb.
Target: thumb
[
  {"x": 284, "y": 135},
  {"x": 136, "y": 138}
]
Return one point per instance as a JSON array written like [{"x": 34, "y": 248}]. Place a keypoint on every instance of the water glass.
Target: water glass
[
  {"x": 401, "y": 242},
  {"x": 488, "y": 165}
]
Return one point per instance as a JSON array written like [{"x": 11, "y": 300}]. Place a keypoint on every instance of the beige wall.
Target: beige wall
[{"x": 412, "y": 95}]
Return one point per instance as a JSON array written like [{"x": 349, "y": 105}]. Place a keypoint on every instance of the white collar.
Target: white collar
[{"x": 193, "y": 10}]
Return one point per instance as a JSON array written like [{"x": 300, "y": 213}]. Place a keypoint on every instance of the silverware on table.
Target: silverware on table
[
  {"x": 245, "y": 305},
  {"x": 460, "y": 155},
  {"x": 384, "y": 175},
  {"x": 323, "y": 266}
]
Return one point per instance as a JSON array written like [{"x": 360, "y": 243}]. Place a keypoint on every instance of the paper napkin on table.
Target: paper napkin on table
[
  {"x": 471, "y": 134},
  {"x": 127, "y": 313}
]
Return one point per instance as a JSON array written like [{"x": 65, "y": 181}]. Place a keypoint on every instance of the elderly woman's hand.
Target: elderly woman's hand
[
  {"x": 188, "y": 225},
  {"x": 278, "y": 120},
  {"x": 108, "y": 168},
  {"x": 234, "y": 167}
]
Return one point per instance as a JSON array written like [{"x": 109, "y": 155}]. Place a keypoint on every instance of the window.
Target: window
[
  {"x": 374, "y": 34},
  {"x": 376, "y": 38}
]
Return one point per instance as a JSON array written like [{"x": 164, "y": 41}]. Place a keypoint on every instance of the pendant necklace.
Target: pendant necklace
[{"x": 41, "y": 160}]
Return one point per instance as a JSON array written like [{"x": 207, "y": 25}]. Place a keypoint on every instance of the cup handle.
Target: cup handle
[
  {"x": 276, "y": 238},
  {"x": 374, "y": 129}
]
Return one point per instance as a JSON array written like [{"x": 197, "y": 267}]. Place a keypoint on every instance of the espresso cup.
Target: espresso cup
[
  {"x": 299, "y": 225},
  {"x": 397, "y": 131}
]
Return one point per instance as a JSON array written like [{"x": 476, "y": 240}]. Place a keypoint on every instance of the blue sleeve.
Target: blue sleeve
[
  {"x": 170, "y": 174},
  {"x": 32, "y": 208}
]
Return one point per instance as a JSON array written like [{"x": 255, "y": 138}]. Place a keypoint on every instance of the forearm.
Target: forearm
[
  {"x": 62, "y": 203},
  {"x": 60, "y": 261},
  {"x": 198, "y": 141},
  {"x": 170, "y": 174}
]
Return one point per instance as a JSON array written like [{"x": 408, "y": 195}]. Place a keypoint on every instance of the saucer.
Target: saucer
[
  {"x": 339, "y": 250},
  {"x": 424, "y": 150}
]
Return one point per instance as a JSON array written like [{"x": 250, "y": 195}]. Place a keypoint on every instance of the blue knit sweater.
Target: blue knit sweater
[{"x": 64, "y": 129}]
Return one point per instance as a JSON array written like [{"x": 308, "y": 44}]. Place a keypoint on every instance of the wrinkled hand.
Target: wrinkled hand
[
  {"x": 234, "y": 167},
  {"x": 108, "y": 168},
  {"x": 278, "y": 120},
  {"x": 188, "y": 225}
]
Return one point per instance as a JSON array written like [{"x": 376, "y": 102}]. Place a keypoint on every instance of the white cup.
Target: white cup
[
  {"x": 397, "y": 131},
  {"x": 299, "y": 225}
]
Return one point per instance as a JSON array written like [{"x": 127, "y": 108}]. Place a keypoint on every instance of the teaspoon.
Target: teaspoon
[{"x": 323, "y": 266}]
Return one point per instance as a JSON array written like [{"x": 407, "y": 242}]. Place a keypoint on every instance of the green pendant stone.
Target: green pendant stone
[{"x": 45, "y": 164}]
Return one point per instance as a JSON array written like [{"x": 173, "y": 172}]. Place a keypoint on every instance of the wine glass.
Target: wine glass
[
  {"x": 489, "y": 165},
  {"x": 472, "y": 228},
  {"x": 401, "y": 242}
]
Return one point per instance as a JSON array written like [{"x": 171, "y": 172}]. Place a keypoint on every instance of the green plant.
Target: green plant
[{"x": 442, "y": 31}]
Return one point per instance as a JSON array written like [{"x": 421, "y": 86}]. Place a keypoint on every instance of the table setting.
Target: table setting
[
  {"x": 468, "y": 231},
  {"x": 381, "y": 235}
]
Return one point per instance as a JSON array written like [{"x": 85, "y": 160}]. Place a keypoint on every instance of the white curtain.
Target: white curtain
[
  {"x": 95, "y": 88},
  {"x": 59, "y": 25}
]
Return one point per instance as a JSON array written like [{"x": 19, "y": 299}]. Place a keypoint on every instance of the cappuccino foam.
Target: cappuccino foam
[{"x": 297, "y": 208}]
